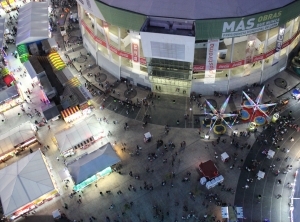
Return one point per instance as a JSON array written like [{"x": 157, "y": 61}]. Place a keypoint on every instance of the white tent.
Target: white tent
[
  {"x": 2, "y": 27},
  {"x": 23, "y": 182},
  {"x": 93, "y": 163},
  {"x": 80, "y": 132},
  {"x": 9, "y": 139},
  {"x": 33, "y": 24}
]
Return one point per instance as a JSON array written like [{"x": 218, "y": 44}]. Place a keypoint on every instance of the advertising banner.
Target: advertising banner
[
  {"x": 246, "y": 25},
  {"x": 278, "y": 45},
  {"x": 211, "y": 60}
]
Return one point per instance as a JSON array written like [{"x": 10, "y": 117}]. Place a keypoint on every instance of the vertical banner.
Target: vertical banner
[
  {"x": 135, "y": 52},
  {"x": 278, "y": 45},
  {"x": 249, "y": 52},
  {"x": 211, "y": 60}
]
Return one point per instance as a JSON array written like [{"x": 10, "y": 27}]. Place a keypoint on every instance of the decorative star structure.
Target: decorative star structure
[
  {"x": 256, "y": 105},
  {"x": 219, "y": 115}
]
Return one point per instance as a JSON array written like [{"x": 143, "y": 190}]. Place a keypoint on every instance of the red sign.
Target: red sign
[
  {"x": 143, "y": 61},
  {"x": 125, "y": 54},
  {"x": 237, "y": 63},
  {"x": 268, "y": 54},
  {"x": 258, "y": 58},
  {"x": 198, "y": 68},
  {"x": 226, "y": 65},
  {"x": 100, "y": 41},
  {"x": 135, "y": 52},
  {"x": 113, "y": 49}
]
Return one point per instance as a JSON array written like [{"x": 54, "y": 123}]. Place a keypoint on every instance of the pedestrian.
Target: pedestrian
[
  {"x": 278, "y": 196},
  {"x": 49, "y": 127},
  {"x": 96, "y": 185},
  {"x": 57, "y": 158}
]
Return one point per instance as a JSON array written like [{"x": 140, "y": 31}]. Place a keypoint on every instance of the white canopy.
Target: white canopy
[
  {"x": 33, "y": 24},
  {"x": 224, "y": 211},
  {"x": 2, "y": 27},
  {"x": 23, "y": 182},
  {"x": 80, "y": 132},
  {"x": 15, "y": 136},
  {"x": 93, "y": 163}
]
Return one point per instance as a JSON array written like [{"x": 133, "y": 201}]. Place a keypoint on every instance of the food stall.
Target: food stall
[
  {"x": 260, "y": 175},
  {"x": 224, "y": 157},
  {"x": 71, "y": 114},
  {"x": 147, "y": 137},
  {"x": 270, "y": 154}
]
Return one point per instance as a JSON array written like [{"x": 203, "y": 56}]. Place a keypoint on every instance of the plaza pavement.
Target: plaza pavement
[{"x": 164, "y": 112}]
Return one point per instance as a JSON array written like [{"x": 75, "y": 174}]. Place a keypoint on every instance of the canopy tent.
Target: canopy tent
[
  {"x": 8, "y": 93},
  {"x": 80, "y": 132},
  {"x": 2, "y": 28},
  {"x": 24, "y": 181},
  {"x": 209, "y": 169},
  {"x": 10, "y": 139},
  {"x": 93, "y": 163},
  {"x": 33, "y": 24}
]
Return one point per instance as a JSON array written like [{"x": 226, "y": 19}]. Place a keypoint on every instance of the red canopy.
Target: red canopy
[{"x": 209, "y": 169}]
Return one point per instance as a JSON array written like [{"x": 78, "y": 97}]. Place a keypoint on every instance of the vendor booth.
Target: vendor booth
[
  {"x": 224, "y": 211},
  {"x": 209, "y": 169},
  {"x": 92, "y": 166},
  {"x": 71, "y": 114},
  {"x": 33, "y": 24},
  {"x": 224, "y": 157},
  {"x": 25, "y": 185},
  {"x": 81, "y": 136},
  {"x": 147, "y": 137},
  {"x": 260, "y": 175},
  {"x": 270, "y": 154},
  {"x": 14, "y": 141}
]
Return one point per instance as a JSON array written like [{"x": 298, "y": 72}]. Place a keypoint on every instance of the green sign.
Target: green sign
[{"x": 234, "y": 27}]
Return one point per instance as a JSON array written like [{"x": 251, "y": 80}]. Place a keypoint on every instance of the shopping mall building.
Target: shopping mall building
[{"x": 179, "y": 47}]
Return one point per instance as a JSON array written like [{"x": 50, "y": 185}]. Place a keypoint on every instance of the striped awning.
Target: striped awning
[{"x": 70, "y": 111}]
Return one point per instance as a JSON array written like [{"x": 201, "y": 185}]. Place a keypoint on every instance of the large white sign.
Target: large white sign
[{"x": 211, "y": 60}]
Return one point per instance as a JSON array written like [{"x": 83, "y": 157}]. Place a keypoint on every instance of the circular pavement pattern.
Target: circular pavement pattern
[
  {"x": 81, "y": 59},
  {"x": 101, "y": 78},
  {"x": 130, "y": 93},
  {"x": 280, "y": 82}
]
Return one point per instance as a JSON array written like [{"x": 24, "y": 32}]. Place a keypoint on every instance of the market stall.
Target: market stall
[
  {"x": 147, "y": 137},
  {"x": 224, "y": 211},
  {"x": 71, "y": 114},
  {"x": 224, "y": 157},
  {"x": 81, "y": 136},
  {"x": 209, "y": 169},
  {"x": 14, "y": 141},
  {"x": 25, "y": 185},
  {"x": 92, "y": 166},
  {"x": 270, "y": 154},
  {"x": 260, "y": 175}
]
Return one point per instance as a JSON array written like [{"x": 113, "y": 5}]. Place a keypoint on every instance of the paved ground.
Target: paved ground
[{"x": 165, "y": 202}]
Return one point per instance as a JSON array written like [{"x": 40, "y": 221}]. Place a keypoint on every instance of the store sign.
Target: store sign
[
  {"x": 211, "y": 60},
  {"x": 278, "y": 45},
  {"x": 251, "y": 25},
  {"x": 135, "y": 52}
]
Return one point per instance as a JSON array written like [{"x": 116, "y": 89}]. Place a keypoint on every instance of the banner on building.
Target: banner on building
[
  {"x": 211, "y": 60},
  {"x": 278, "y": 46},
  {"x": 135, "y": 52}
]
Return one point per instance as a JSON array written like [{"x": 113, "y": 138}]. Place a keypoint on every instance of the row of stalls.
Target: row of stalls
[
  {"x": 16, "y": 140},
  {"x": 26, "y": 185}
]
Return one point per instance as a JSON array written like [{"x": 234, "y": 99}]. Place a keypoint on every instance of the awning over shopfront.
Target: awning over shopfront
[
  {"x": 8, "y": 93},
  {"x": 33, "y": 24},
  {"x": 80, "y": 132},
  {"x": 93, "y": 163},
  {"x": 10, "y": 139},
  {"x": 23, "y": 182}
]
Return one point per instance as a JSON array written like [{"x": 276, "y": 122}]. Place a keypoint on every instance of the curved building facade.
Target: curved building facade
[{"x": 198, "y": 46}]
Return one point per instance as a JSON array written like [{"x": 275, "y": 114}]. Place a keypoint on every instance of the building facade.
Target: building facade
[{"x": 185, "y": 53}]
